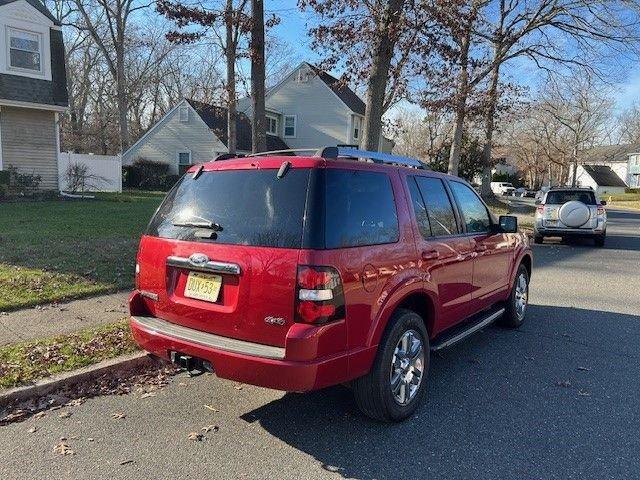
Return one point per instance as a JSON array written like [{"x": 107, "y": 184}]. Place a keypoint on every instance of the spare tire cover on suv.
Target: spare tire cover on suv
[{"x": 574, "y": 214}]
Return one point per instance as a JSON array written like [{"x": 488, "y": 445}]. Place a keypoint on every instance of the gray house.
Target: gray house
[
  {"x": 308, "y": 109},
  {"x": 33, "y": 89}
]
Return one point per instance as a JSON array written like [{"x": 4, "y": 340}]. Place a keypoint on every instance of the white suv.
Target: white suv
[
  {"x": 569, "y": 212},
  {"x": 502, "y": 188}
]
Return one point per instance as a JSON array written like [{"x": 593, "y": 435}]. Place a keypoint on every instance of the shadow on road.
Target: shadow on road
[{"x": 540, "y": 402}]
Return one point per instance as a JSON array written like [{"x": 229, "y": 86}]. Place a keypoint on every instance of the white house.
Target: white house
[
  {"x": 33, "y": 89},
  {"x": 308, "y": 109},
  {"x": 624, "y": 160},
  {"x": 602, "y": 178}
]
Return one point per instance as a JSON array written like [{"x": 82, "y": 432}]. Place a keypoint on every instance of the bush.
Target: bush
[
  {"x": 22, "y": 184},
  {"x": 146, "y": 175},
  {"x": 626, "y": 190}
]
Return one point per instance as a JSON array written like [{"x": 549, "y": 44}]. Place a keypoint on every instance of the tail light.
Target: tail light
[
  {"x": 600, "y": 210},
  {"x": 540, "y": 209},
  {"x": 319, "y": 295},
  {"x": 137, "y": 276}
]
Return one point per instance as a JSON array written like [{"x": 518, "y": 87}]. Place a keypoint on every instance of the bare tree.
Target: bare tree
[{"x": 258, "y": 125}]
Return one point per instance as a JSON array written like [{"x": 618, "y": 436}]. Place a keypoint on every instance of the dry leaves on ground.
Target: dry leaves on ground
[
  {"x": 196, "y": 437},
  {"x": 63, "y": 449}
]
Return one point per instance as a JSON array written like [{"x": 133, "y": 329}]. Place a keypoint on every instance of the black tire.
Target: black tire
[
  {"x": 538, "y": 239},
  {"x": 511, "y": 317},
  {"x": 373, "y": 392},
  {"x": 599, "y": 240}
]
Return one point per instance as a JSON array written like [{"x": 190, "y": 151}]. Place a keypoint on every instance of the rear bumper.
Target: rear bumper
[
  {"x": 567, "y": 232},
  {"x": 241, "y": 361}
]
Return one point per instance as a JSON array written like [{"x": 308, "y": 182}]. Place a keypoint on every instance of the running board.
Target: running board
[{"x": 460, "y": 333}]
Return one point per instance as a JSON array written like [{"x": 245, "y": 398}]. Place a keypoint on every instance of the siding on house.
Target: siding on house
[
  {"x": 29, "y": 143},
  {"x": 322, "y": 118},
  {"x": 163, "y": 143}
]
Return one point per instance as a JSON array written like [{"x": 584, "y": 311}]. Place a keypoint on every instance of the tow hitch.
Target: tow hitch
[{"x": 193, "y": 365}]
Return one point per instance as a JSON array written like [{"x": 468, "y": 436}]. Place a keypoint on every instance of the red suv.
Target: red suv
[{"x": 297, "y": 273}]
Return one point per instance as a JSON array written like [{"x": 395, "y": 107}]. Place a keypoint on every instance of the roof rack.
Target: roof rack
[{"x": 375, "y": 157}]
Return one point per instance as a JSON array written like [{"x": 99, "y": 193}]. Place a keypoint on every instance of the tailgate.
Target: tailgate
[{"x": 255, "y": 283}]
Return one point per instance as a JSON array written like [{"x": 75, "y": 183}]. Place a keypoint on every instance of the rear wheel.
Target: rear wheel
[
  {"x": 392, "y": 390},
  {"x": 517, "y": 304}
]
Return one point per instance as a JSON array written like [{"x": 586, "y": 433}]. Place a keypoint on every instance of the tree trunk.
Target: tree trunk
[
  {"x": 492, "y": 94},
  {"x": 258, "y": 126},
  {"x": 122, "y": 100},
  {"x": 462, "y": 91},
  {"x": 230, "y": 56},
  {"x": 574, "y": 180},
  {"x": 378, "y": 78}
]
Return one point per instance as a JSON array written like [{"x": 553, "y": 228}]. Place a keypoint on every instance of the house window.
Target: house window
[
  {"x": 357, "y": 127},
  {"x": 272, "y": 125},
  {"x": 184, "y": 161},
  {"x": 184, "y": 114},
  {"x": 289, "y": 125},
  {"x": 25, "y": 50}
]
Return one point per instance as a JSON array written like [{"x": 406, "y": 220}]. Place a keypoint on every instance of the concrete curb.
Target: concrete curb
[{"x": 55, "y": 382}]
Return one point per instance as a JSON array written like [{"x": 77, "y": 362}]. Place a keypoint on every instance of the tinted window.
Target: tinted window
[
  {"x": 359, "y": 209},
  {"x": 562, "y": 197},
  {"x": 419, "y": 208},
  {"x": 253, "y": 207},
  {"x": 474, "y": 212},
  {"x": 441, "y": 216}
]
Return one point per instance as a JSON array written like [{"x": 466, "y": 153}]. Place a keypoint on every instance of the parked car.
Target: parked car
[
  {"x": 297, "y": 273},
  {"x": 502, "y": 188},
  {"x": 540, "y": 193},
  {"x": 524, "y": 192},
  {"x": 571, "y": 212}
]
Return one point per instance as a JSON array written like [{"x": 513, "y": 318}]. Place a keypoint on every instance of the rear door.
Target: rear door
[
  {"x": 221, "y": 253},
  {"x": 445, "y": 254}
]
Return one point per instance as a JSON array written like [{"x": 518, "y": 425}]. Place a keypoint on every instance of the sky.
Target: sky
[{"x": 293, "y": 30}]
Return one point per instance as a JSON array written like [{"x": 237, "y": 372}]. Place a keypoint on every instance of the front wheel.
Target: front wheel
[
  {"x": 517, "y": 304},
  {"x": 392, "y": 390}
]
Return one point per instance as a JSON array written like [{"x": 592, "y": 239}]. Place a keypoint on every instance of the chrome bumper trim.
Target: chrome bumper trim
[
  {"x": 156, "y": 325},
  {"x": 210, "y": 266}
]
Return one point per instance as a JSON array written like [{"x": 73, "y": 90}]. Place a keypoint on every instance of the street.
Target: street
[{"x": 556, "y": 399}]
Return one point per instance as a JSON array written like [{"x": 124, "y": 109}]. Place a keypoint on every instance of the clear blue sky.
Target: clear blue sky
[{"x": 293, "y": 30}]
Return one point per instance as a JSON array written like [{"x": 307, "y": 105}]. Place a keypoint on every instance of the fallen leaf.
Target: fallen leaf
[
  {"x": 63, "y": 449},
  {"x": 89, "y": 439},
  {"x": 40, "y": 414},
  {"x": 584, "y": 393},
  {"x": 238, "y": 387},
  {"x": 564, "y": 383},
  {"x": 196, "y": 437},
  {"x": 584, "y": 369},
  {"x": 148, "y": 394},
  {"x": 210, "y": 428},
  {"x": 64, "y": 414},
  {"x": 33, "y": 429},
  {"x": 211, "y": 407},
  {"x": 124, "y": 462},
  {"x": 119, "y": 415}
]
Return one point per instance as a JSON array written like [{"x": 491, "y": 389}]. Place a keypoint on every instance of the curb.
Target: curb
[{"x": 67, "y": 379}]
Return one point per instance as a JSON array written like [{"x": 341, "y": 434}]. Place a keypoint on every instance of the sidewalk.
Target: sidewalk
[{"x": 62, "y": 318}]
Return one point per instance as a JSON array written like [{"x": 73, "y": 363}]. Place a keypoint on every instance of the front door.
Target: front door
[{"x": 493, "y": 251}]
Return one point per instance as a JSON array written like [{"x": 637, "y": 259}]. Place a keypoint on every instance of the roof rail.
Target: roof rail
[{"x": 375, "y": 157}]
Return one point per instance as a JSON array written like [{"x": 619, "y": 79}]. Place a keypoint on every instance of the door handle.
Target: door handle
[{"x": 430, "y": 255}]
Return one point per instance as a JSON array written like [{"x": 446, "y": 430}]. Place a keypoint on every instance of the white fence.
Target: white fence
[{"x": 103, "y": 173}]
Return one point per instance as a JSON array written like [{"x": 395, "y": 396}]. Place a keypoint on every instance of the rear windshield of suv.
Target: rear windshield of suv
[
  {"x": 561, "y": 197},
  {"x": 250, "y": 207}
]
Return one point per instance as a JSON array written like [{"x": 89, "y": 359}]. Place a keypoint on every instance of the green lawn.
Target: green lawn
[
  {"x": 56, "y": 250},
  {"x": 28, "y": 361}
]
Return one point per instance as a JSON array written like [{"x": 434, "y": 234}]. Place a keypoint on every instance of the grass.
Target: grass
[
  {"x": 56, "y": 250},
  {"x": 26, "y": 362},
  {"x": 497, "y": 206}
]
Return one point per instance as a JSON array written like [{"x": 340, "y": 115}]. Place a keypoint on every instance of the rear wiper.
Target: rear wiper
[{"x": 216, "y": 227}]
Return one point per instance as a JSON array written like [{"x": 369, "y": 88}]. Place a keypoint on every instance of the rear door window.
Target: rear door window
[
  {"x": 439, "y": 208},
  {"x": 251, "y": 207},
  {"x": 359, "y": 209},
  {"x": 473, "y": 210},
  {"x": 420, "y": 209},
  {"x": 562, "y": 197}
]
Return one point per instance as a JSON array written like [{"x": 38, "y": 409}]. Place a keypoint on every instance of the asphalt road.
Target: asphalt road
[{"x": 556, "y": 399}]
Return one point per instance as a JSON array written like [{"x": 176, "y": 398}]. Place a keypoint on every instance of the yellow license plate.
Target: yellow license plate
[{"x": 203, "y": 286}]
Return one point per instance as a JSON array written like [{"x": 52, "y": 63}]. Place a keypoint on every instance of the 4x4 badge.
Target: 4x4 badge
[{"x": 274, "y": 320}]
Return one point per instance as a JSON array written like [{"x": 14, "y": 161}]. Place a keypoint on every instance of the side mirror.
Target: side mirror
[
  {"x": 508, "y": 224},
  {"x": 603, "y": 203}
]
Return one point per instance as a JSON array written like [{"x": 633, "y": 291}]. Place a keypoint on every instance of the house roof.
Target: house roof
[
  {"x": 344, "y": 93},
  {"x": 216, "y": 119},
  {"x": 38, "y": 6},
  {"x": 604, "y": 176},
  {"x": 608, "y": 153}
]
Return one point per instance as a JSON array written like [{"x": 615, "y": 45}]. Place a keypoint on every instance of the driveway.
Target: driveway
[{"x": 556, "y": 399}]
